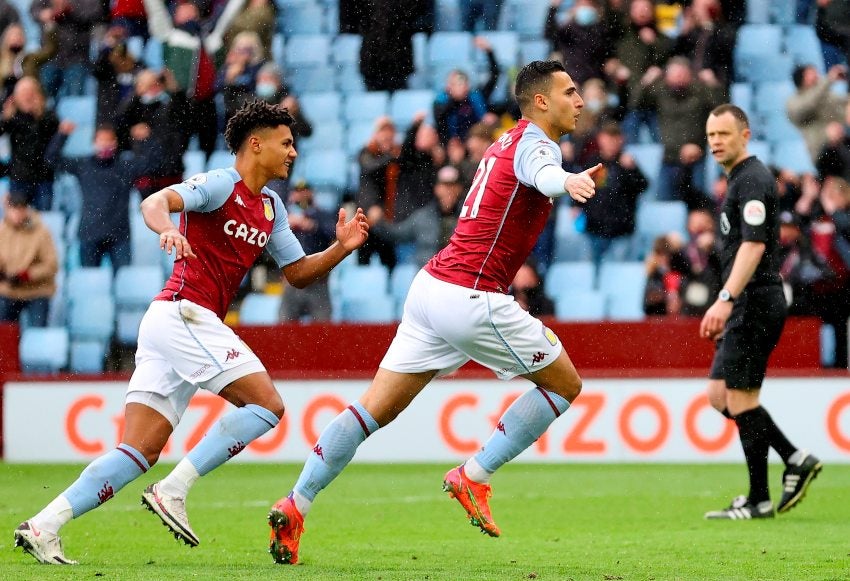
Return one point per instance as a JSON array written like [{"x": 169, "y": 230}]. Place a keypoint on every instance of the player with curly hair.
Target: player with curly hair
[{"x": 227, "y": 218}]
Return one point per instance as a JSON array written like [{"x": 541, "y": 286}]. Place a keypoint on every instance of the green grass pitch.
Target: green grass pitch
[{"x": 385, "y": 522}]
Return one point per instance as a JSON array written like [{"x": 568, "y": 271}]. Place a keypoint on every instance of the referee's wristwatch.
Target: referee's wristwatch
[{"x": 725, "y": 296}]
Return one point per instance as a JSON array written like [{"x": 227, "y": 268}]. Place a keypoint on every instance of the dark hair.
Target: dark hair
[
  {"x": 251, "y": 116},
  {"x": 797, "y": 75},
  {"x": 733, "y": 110},
  {"x": 533, "y": 78}
]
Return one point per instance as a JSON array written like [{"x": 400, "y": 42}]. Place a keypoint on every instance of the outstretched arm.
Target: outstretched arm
[
  {"x": 349, "y": 236},
  {"x": 156, "y": 210}
]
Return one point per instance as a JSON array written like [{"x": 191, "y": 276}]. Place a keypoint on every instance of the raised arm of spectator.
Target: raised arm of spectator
[
  {"x": 49, "y": 47},
  {"x": 160, "y": 24},
  {"x": 804, "y": 105},
  {"x": 493, "y": 66},
  {"x": 53, "y": 154},
  {"x": 213, "y": 42},
  {"x": 551, "y": 30}
]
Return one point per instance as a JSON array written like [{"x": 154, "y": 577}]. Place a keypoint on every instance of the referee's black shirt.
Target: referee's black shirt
[{"x": 750, "y": 213}]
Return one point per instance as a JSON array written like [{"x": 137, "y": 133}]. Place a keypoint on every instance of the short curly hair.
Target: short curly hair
[{"x": 253, "y": 115}]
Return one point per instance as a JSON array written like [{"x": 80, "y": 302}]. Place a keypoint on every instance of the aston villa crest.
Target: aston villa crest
[{"x": 268, "y": 209}]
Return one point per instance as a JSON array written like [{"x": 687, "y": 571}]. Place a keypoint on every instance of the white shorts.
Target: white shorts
[
  {"x": 183, "y": 346},
  {"x": 445, "y": 325}
]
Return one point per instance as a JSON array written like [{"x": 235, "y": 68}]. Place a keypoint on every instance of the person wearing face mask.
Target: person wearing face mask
[
  {"x": 586, "y": 40},
  {"x": 115, "y": 70},
  {"x": 106, "y": 180},
  {"x": 16, "y": 62},
  {"x": 236, "y": 80}
]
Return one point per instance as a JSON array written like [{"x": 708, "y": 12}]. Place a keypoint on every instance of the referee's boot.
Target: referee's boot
[
  {"x": 742, "y": 509},
  {"x": 796, "y": 479}
]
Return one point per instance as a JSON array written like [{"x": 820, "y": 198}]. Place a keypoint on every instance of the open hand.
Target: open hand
[{"x": 352, "y": 234}]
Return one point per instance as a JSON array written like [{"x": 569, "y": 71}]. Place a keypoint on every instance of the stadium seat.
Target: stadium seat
[
  {"x": 349, "y": 80},
  {"x": 772, "y": 96},
  {"x": 300, "y": 19},
  {"x": 623, "y": 284},
  {"x": 366, "y": 106},
  {"x": 572, "y": 247},
  {"x": 420, "y": 51},
  {"x": 87, "y": 282},
  {"x": 447, "y": 16},
  {"x": 658, "y": 218},
  {"x": 401, "y": 279},
  {"x": 760, "y": 68},
  {"x": 758, "y": 39},
  {"x": 439, "y": 73},
  {"x": 358, "y": 135},
  {"x": 405, "y": 104},
  {"x": 221, "y": 159},
  {"x": 55, "y": 222},
  {"x": 580, "y": 305},
  {"x": 363, "y": 282},
  {"x": 194, "y": 162},
  {"x": 87, "y": 356},
  {"x": 565, "y": 277},
  {"x": 92, "y": 318},
  {"x": 323, "y": 169},
  {"x": 793, "y": 155},
  {"x": 81, "y": 142},
  {"x": 311, "y": 78},
  {"x": 345, "y": 49},
  {"x": 373, "y": 309},
  {"x": 127, "y": 326},
  {"x": 326, "y": 106},
  {"x": 136, "y": 286},
  {"x": 534, "y": 50},
  {"x": 326, "y": 135},
  {"x": 260, "y": 309},
  {"x": 44, "y": 349},
  {"x": 776, "y": 128},
  {"x": 741, "y": 94},
  {"x": 505, "y": 45},
  {"x": 648, "y": 157},
  {"x": 307, "y": 50},
  {"x": 278, "y": 48},
  {"x": 802, "y": 43},
  {"x": 760, "y": 149},
  {"x": 153, "y": 54},
  {"x": 527, "y": 17},
  {"x": 450, "y": 47},
  {"x": 79, "y": 109}
]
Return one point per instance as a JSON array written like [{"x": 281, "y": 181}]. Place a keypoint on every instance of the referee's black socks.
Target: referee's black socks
[{"x": 753, "y": 428}]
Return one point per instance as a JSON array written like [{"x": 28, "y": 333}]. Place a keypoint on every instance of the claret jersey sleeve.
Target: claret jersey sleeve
[
  {"x": 534, "y": 152},
  {"x": 283, "y": 245}
]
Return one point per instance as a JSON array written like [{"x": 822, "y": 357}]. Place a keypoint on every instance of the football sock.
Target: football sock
[
  {"x": 228, "y": 436},
  {"x": 520, "y": 426},
  {"x": 753, "y": 431},
  {"x": 97, "y": 483},
  {"x": 334, "y": 450},
  {"x": 776, "y": 438}
]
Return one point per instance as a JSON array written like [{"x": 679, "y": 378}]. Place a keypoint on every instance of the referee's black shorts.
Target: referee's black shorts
[{"x": 751, "y": 333}]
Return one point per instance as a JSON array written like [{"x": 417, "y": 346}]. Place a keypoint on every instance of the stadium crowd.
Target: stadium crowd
[{"x": 396, "y": 102}]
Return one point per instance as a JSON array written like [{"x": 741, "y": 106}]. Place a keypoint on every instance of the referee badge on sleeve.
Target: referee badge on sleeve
[
  {"x": 754, "y": 213},
  {"x": 268, "y": 209}
]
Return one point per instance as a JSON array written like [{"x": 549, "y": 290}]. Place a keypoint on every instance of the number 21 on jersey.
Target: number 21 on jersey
[{"x": 476, "y": 191}]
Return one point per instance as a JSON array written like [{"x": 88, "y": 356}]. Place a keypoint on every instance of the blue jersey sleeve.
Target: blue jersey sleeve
[
  {"x": 207, "y": 192},
  {"x": 534, "y": 152},
  {"x": 283, "y": 245}
]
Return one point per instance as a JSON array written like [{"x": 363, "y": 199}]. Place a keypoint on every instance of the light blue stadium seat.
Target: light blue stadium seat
[
  {"x": 44, "y": 349},
  {"x": 92, "y": 318},
  {"x": 803, "y": 44},
  {"x": 144, "y": 244},
  {"x": 566, "y": 277},
  {"x": 79, "y": 109},
  {"x": 55, "y": 222},
  {"x": 760, "y": 149},
  {"x": 278, "y": 48},
  {"x": 777, "y": 128},
  {"x": 88, "y": 282},
  {"x": 623, "y": 284},
  {"x": 772, "y": 96},
  {"x": 374, "y": 309},
  {"x": 572, "y": 247},
  {"x": 307, "y": 50},
  {"x": 648, "y": 158},
  {"x": 527, "y": 17},
  {"x": 505, "y": 45},
  {"x": 658, "y": 218},
  {"x": 221, "y": 159},
  {"x": 299, "y": 19},
  {"x": 580, "y": 305},
  {"x": 758, "y": 39},
  {"x": 405, "y": 104},
  {"x": 81, "y": 142},
  {"x": 194, "y": 162},
  {"x": 761, "y": 68},
  {"x": 260, "y": 309},
  {"x": 447, "y": 16},
  {"x": 793, "y": 155},
  {"x": 366, "y": 106},
  {"x": 345, "y": 49},
  {"x": 326, "y": 135},
  {"x": 312, "y": 78},
  {"x": 420, "y": 51},
  {"x": 449, "y": 47},
  {"x": 401, "y": 279},
  {"x": 326, "y": 106},
  {"x": 87, "y": 356},
  {"x": 439, "y": 73},
  {"x": 741, "y": 94},
  {"x": 324, "y": 169},
  {"x": 153, "y": 54},
  {"x": 358, "y": 136},
  {"x": 534, "y": 50},
  {"x": 136, "y": 286},
  {"x": 364, "y": 281},
  {"x": 127, "y": 325},
  {"x": 349, "y": 80}
]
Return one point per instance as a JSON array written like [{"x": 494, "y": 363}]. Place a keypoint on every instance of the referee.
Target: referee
[{"x": 747, "y": 318}]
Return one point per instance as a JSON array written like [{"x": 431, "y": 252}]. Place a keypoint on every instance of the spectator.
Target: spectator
[
  {"x": 386, "y": 54},
  {"x": 421, "y": 155},
  {"x": 30, "y": 126},
  {"x": 379, "y": 173},
  {"x": 527, "y": 290},
  {"x": 189, "y": 55},
  {"x": 610, "y": 214},
  {"x": 236, "y": 80},
  {"x": 129, "y": 15},
  {"x": 115, "y": 70},
  {"x": 259, "y": 17},
  {"x": 834, "y": 158},
  {"x": 814, "y": 106},
  {"x": 301, "y": 126},
  {"x": 458, "y": 107},
  {"x": 66, "y": 72},
  {"x": 8, "y": 15},
  {"x": 708, "y": 43},
  {"x": 484, "y": 12},
  {"x": 106, "y": 179},
  {"x": 315, "y": 229},
  {"x": 28, "y": 263},
  {"x": 831, "y": 26},
  {"x": 429, "y": 227},
  {"x": 164, "y": 113},
  {"x": 696, "y": 264},
  {"x": 596, "y": 111},
  {"x": 681, "y": 103},
  {"x": 479, "y": 138},
  {"x": 801, "y": 268},
  {"x": 661, "y": 296},
  {"x": 587, "y": 40},
  {"x": 15, "y": 62}
]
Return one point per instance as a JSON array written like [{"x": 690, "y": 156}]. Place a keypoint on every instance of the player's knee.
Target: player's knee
[{"x": 152, "y": 457}]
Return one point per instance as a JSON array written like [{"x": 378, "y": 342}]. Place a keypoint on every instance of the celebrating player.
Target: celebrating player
[
  {"x": 747, "y": 318},
  {"x": 227, "y": 217},
  {"x": 458, "y": 309}
]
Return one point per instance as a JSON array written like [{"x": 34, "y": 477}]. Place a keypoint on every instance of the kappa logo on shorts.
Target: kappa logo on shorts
[
  {"x": 550, "y": 336},
  {"x": 538, "y": 357},
  {"x": 232, "y": 354}
]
